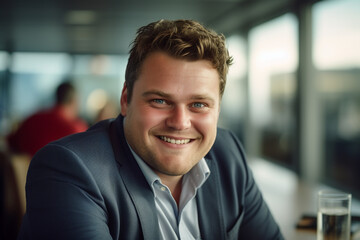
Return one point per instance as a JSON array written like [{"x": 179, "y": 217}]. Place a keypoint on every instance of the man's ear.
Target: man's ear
[{"x": 124, "y": 100}]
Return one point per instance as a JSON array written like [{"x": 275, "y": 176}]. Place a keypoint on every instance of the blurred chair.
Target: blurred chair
[{"x": 13, "y": 170}]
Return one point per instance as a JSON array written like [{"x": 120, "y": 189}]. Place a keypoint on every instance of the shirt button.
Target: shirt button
[{"x": 163, "y": 189}]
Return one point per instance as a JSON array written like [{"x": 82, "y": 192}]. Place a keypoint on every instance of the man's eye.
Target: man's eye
[
  {"x": 159, "y": 101},
  {"x": 198, "y": 105}
]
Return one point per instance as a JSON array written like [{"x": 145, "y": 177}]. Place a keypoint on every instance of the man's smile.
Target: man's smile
[{"x": 175, "y": 141}]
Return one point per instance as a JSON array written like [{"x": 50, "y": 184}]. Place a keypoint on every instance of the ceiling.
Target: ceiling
[{"x": 108, "y": 26}]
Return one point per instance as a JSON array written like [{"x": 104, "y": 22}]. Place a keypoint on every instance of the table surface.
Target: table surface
[{"x": 289, "y": 198}]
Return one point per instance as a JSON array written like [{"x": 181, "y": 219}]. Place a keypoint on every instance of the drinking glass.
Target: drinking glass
[{"x": 333, "y": 220}]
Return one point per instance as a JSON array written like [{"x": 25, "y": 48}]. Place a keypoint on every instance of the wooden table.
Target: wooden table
[{"x": 289, "y": 198}]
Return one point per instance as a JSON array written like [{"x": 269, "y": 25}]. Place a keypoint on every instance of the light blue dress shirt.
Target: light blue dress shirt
[{"x": 177, "y": 223}]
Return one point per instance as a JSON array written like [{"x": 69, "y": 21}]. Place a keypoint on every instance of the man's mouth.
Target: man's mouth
[{"x": 174, "y": 141}]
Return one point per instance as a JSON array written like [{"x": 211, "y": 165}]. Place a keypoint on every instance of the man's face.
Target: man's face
[{"x": 172, "y": 117}]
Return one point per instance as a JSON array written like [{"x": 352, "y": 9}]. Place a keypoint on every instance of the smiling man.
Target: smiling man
[
  {"x": 172, "y": 117},
  {"x": 162, "y": 169}
]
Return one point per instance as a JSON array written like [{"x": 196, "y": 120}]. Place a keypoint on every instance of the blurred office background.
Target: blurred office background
[{"x": 293, "y": 93}]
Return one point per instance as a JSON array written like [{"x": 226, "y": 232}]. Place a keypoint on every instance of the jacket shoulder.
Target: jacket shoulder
[
  {"x": 94, "y": 135},
  {"x": 228, "y": 152},
  {"x": 227, "y": 141}
]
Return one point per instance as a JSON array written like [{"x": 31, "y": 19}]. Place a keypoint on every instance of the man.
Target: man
[
  {"x": 51, "y": 124},
  {"x": 162, "y": 169}
]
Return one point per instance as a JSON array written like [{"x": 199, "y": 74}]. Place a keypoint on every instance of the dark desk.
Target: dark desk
[{"x": 289, "y": 198}]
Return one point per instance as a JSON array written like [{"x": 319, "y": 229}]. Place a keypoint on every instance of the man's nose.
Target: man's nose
[{"x": 179, "y": 118}]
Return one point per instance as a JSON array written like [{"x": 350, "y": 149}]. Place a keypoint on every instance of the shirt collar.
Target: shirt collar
[{"x": 198, "y": 174}]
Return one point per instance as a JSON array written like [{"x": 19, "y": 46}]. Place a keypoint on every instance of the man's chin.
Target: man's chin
[{"x": 174, "y": 172}]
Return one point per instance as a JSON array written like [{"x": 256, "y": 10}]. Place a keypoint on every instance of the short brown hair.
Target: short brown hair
[
  {"x": 65, "y": 93},
  {"x": 185, "y": 39}
]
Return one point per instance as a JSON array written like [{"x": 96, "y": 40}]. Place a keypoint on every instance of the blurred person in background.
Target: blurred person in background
[{"x": 48, "y": 125}]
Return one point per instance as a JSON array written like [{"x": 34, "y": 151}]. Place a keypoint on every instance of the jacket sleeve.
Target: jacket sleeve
[
  {"x": 258, "y": 222},
  {"x": 63, "y": 200},
  {"x": 246, "y": 214}
]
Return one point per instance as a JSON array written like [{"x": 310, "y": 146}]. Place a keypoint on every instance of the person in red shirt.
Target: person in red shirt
[{"x": 51, "y": 124}]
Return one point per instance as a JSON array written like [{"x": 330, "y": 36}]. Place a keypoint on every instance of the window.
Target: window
[
  {"x": 34, "y": 79},
  {"x": 234, "y": 102},
  {"x": 35, "y": 76},
  {"x": 273, "y": 61},
  {"x": 336, "y": 57},
  {"x": 99, "y": 79},
  {"x": 4, "y": 94}
]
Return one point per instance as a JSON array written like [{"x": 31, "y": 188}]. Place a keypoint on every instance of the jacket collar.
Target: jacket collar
[
  {"x": 208, "y": 196},
  {"x": 135, "y": 182},
  {"x": 209, "y": 206}
]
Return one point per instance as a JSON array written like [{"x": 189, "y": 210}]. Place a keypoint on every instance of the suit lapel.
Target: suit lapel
[
  {"x": 135, "y": 182},
  {"x": 209, "y": 206},
  {"x": 208, "y": 197}
]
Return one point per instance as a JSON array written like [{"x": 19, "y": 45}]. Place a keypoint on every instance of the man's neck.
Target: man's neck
[{"x": 174, "y": 183}]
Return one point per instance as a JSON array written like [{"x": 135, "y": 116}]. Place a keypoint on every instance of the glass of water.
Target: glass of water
[{"x": 333, "y": 220}]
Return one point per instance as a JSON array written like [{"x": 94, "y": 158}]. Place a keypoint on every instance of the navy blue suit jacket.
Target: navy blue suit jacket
[{"x": 89, "y": 186}]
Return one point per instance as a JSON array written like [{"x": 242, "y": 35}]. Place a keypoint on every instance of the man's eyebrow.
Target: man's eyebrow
[
  {"x": 203, "y": 97},
  {"x": 156, "y": 92},
  {"x": 198, "y": 97}
]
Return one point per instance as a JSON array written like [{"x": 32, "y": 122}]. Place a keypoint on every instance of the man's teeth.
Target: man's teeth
[{"x": 174, "y": 141}]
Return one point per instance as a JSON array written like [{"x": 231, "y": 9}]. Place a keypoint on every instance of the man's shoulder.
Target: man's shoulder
[
  {"x": 92, "y": 147},
  {"x": 96, "y": 136},
  {"x": 222, "y": 132},
  {"x": 226, "y": 139},
  {"x": 227, "y": 147},
  {"x": 227, "y": 158}
]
